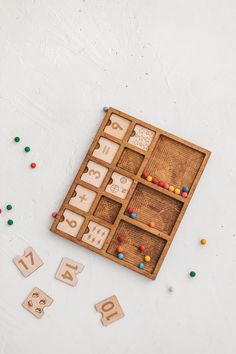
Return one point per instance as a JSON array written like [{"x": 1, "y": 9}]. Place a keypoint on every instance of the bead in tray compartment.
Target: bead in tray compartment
[
  {"x": 94, "y": 174},
  {"x": 82, "y": 198},
  {"x": 105, "y": 150},
  {"x": 70, "y": 223},
  {"x": 117, "y": 126},
  {"x": 119, "y": 185},
  {"x": 141, "y": 137},
  {"x": 95, "y": 234}
]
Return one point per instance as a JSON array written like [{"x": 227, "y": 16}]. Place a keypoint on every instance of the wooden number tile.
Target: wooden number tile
[
  {"x": 94, "y": 174},
  {"x": 117, "y": 126},
  {"x": 68, "y": 271},
  {"x": 95, "y": 234},
  {"x": 110, "y": 309},
  {"x": 70, "y": 223},
  {"x": 29, "y": 262},
  {"x": 36, "y": 301},
  {"x": 141, "y": 137},
  {"x": 82, "y": 198},
  {"x": 106, "y": 150},
  {"x": 119, "y": 185}
]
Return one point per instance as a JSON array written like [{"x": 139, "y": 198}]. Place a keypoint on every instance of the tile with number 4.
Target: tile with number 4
[
  {"x": 29, "y": 262},
  {"x": 36, "y": 301},
  {"x": 110, "y": 309},
  {"x": 68, "y": 271}
]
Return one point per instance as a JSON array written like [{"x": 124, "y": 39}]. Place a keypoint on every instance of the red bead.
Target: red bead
[
  {"x": 54, "y": 214},
  {"x": 155, "y": 180},
  {"x": 0, "y": 211},
  {"x": 121, "y": 238},
  {"x": 145, "y": 174},
  {"x": 166, "y": 185},
  {"x": 130, "y": 210},
  {"x": 33, "y": 165},
  {"x": 161, "y": 184},
  {"x": 142, "y": 248}
]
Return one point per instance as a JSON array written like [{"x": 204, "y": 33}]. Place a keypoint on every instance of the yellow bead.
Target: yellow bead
[
  {"x": 177, "y": 191},
  {"x": 171, "y": 188},
  {"x": 147, "y": 258},
  {"x": 149, "y": 178},
  {"x": 203, "y": 241}
]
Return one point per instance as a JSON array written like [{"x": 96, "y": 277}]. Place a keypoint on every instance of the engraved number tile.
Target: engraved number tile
[
  {"x": 119, "y": 185},
  {"x": 117, "y": 126},
  {"x": 95, "y": 234},
  {"x": 82, "y": 198},
  {"x": 70, "y": 223}
]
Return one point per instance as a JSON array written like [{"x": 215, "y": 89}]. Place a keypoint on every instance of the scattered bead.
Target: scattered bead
[
  {"x": 192, "y": 274},
  {"x": 166, "y": 185},
  {"x": 152, "y": 224},
  {"x": 203, "y": 241},
  {"x": 171, "y": 188},
  {"x": 184, "y": 194},
  {"x": 133, "y": 215},
  {"x": 121, "y": 238},
  {"x": 10, "y": 222},
  {"x": 105, "y": 109},
  {"x": 130, "y": 210},
  {"x": 147, "y": 258},
  {"x": 54, "y": 214},
  {"x": 185, "y": 189},
  {"x": 149, "y": 178},
  {"x": 27, "y": 149},
  {"x": 17, "y": 139},
  {"x": 161, "y": 184},
  {"x": 155, "y": 180},
  {"x": 9, "y": 206},
  {"x": 141, "y": 266},
  {"x": 0, "y": 211},
  {"x": 145, "y": 174},
  {"x": 171, "y": 289},
  {"x": 177, "y": 191},
  {"x": 119, "y": 249},
  {"x": 142, "y": 248},
  {"x": 120, "y": 256},
  {"x": 33, "y": 165}
]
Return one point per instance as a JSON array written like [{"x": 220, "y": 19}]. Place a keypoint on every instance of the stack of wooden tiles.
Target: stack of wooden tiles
[{"x": 94, "y": 212}]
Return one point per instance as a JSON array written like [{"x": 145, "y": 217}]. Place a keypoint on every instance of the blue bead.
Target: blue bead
[
  {"x": 120, "y": 255},
  {"x": 185, "y": 189},
  {"x": 141, "y": 265},
  {"x": 133, "y": 215}
]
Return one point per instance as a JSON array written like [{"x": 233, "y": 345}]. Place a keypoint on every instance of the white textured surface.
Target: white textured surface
[{"x": 171, "y": 63}]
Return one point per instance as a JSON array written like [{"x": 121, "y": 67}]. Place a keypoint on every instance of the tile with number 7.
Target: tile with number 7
[{"x": 68, "y": 271}]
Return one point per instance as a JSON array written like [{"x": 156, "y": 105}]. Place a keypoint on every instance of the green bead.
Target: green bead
[
  {"x": 17, "y": 139},
  {"x": 192, "y": 274},
  {"x": 27, "y": 149},
  {"x": 10, "y": 222},
  {"x": 9, "y": 206}
]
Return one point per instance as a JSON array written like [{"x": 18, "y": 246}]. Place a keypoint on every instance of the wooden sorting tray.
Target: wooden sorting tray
[{"x": 109, "y": 181}]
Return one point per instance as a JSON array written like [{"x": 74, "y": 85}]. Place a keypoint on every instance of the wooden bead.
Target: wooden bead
[
  {"x": 177, "y": 191},
  {"x": 142, "y": 248},
  {"x": 192, "y": 274},
  {"x": 141, "y": 266},
  {"x": 130, "y": 210},
  {"x": 121, "y": 238},
  {"x": 145, "y": 174},
  {"x": 161, "y": 184},
  {"x": 185, "y": 189},
  {"x": 119, "y": 249},
  {"x": 133, "y": 215},
  {"x": 149, "y": 178},
  {"x": 152, "y": 224},
  {"x": 147, "y": 258},
  {"x": 155, "y": 180},
  {"x": 54, "y": 214},
  {"x": 33, "y": 165},
  {"x": 166, "y": 185},
  {"x": 184, "y": 194},
  {"x": 203, "y": 241},
  {"x": 120, "y": 256},
  {"x": 171, "y": 188}
]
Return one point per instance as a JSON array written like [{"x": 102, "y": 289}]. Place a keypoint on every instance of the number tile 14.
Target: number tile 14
[{"x": 68, "y": 271}]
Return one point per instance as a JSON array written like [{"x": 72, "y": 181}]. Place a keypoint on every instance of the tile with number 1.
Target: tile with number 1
[{"x": 29, "y": 262}]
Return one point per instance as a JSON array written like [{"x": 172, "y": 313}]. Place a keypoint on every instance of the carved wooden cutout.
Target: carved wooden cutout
[
  {"x": 68, "y": 271},
  {"x": 119, "y": 185},
  {"x": 82, "y": 198},
  {"x": 94, "y": 174},
  {"x": 36, "y": 301},
  {"x": 70, "y": 223},
  {"x": 117, "y": 126},
  {"x": 110, "y": 309},
  {"x": 95, "y": 235},
  {"x": 106, "y": 150},
  {"x": 141, "y": 137},
  {"x": 29, "y": 262}
]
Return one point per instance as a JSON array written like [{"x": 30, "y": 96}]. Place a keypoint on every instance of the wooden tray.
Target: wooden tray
[{"x": 110, "y": 180}]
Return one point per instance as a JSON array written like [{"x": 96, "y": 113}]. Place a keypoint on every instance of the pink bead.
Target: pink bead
[
  {"x": 54, "y": 214},
  {"x": 166, "y": 185},
  {"x": 184, "y": 194}
]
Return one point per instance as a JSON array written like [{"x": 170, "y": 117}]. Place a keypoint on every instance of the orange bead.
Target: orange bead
[
  {"x": 152, "y": 224},
  {"x": 120, "y": 249}
]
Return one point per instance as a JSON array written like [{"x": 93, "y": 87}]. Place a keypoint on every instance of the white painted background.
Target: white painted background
[{"x": 171, "y": 63}]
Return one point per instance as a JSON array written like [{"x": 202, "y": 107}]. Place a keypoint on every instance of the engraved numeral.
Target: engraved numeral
[
  {"x": 71, "y": 223},
  {"x": 116, "y": 125}
]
